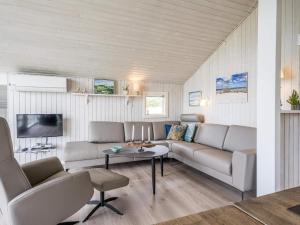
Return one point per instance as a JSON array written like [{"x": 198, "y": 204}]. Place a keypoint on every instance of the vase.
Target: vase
[{"x": 295, "y": 107}]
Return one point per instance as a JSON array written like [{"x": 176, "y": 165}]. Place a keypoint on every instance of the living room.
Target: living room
[{"x": 149, "y": 112}]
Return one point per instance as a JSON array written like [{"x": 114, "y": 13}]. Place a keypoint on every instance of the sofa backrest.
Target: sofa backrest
[
  {"x": 137, "y": 130},
  {"x": 159, "y": 131},
  {"x": 240, "y": 138},
  {"x": 211, "y": 134},
  {"x": 106, "y": 132}
]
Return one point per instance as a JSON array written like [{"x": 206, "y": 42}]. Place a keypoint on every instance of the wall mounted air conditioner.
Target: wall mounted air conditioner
[{"x": 37, "y": 83}]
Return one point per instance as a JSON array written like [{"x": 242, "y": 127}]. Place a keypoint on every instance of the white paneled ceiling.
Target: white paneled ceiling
[{"x": 116, "y": 39}]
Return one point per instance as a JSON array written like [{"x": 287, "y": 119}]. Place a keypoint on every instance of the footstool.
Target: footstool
[{"x": 105, "y": 180}]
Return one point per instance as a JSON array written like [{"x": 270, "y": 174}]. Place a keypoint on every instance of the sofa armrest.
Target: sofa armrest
[
  {"x": 244, "y": 169},
  {"x": 51, "y": 202},
  {"x": 39, "y": 170}
]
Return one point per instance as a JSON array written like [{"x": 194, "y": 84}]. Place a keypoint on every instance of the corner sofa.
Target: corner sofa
[{"x": 227, "y": 153}]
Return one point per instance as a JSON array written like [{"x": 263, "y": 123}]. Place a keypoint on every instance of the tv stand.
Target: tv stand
[{"x": 41, "y": 146}]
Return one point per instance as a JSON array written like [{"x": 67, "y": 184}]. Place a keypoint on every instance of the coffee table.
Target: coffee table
[{"x": 157, "y": 151}]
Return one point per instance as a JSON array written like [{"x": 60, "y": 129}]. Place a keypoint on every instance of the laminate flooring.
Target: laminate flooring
[{"x": 182, "y": 191}]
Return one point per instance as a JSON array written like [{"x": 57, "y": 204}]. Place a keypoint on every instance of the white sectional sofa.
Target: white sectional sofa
[{"x": 227, "y": 153}]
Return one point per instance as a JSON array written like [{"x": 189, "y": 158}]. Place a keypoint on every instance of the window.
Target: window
[{"x": 155, "y": 104}]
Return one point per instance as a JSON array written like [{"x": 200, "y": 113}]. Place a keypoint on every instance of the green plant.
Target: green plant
[{"x": 294, "y": 98}]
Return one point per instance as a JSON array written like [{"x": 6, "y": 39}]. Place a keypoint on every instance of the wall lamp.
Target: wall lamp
[{"x": 204, "y": 102}]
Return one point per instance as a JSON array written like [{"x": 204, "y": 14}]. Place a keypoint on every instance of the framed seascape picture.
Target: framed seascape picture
[
  {"x": 102, "y": 86},
  {"x": 232, "y": 89},
  {"x": 195, "y": 98}
]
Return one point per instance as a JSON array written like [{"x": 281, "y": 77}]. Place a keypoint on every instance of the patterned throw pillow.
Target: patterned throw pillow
[
  {"x": 190, "y": 132},
  {"x": 177, "y": 132}
]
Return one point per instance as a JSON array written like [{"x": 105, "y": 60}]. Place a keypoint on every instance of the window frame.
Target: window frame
[{"x": 156, "y": 94}]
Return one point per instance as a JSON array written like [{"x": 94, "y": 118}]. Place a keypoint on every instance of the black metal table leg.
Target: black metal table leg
[
  {"x": 106, "y": 161},
  {"x": 162, "y": 165},
  {"x": 68, "y": 223},
  {"x": 153, "y": 175}
]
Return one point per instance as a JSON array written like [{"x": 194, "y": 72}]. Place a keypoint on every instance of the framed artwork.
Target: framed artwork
[
  {"x": 102, "y": 86},
  {"x": 232, "y": 89},
  {"x": 195, "y": 98}
]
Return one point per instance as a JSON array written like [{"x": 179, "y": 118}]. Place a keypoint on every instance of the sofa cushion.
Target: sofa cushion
[
  {"x": 240, "y": 138},
  {"x": 83, "y": 150},
  {"x": 105, "y": 132},
  {"x": 220, "y": 161},
  {"x": 161, "y": 142},
  {"x": 177, "y": 132},
  {"x": 137, "y": 130},
  {"x": 186, "y": 149},
  {"x": 211, "y": 134},
  {"x": 170, "y": 142},
  {"x": 159, "y": 131}
]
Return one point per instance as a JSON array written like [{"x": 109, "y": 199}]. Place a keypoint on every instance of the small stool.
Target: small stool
[{"x": 105, "y": 180}]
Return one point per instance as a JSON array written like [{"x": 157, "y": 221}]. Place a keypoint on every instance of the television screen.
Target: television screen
[{"x": 39, "y": 125}]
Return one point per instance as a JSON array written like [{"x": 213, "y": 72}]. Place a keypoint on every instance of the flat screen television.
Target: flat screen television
[{"x": 39, "y": 125}]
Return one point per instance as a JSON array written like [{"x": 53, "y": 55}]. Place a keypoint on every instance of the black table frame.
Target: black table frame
[{"x": 152, "y": 169}]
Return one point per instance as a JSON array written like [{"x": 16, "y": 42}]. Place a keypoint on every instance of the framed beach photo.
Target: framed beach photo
[
  {"x": 232, "y": 89},
  {"x": 195, "y": 98},
  {"x": 102, "y": 86}
]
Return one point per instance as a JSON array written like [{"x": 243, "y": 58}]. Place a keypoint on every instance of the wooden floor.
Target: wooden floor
[{"x": 182, "y": 191}]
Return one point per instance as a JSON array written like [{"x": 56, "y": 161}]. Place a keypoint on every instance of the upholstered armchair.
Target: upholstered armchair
[{"x": 41, "y": 192}]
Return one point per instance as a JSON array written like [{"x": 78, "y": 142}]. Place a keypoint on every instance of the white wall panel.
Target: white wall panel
[
  {"x": 237, "y": 54},
  {"x": 77, "y": 113},
  {"x": 289, "y": 171}
]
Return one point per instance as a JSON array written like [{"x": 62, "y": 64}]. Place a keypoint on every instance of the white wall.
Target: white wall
[
  {"x": 3, "y": 95},
  {"x": 237, "y": 54},
  {"x": 3, "y": 112},
  {"x": 268, "y": 88},
  {"x": 290, "y": 51},
  {"x": 77, "y": 113}
]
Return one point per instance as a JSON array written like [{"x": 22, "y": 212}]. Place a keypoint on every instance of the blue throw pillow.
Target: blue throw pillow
[
  {"x": 167, "y": 129},
  {"x": 190, "y": 132}
]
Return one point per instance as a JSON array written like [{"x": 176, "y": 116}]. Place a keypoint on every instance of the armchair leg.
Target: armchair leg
[
  {"x": 102, "y": 203},
  {"x": 113, "y": 209}
]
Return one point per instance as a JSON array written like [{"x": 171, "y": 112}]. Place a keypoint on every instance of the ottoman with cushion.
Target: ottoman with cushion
[{"x": 105, "y": 180}]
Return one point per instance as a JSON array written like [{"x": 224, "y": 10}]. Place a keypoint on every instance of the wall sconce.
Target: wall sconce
[
  {"x": 136, "y": 87},
  {"x": 204, "y": 102}
]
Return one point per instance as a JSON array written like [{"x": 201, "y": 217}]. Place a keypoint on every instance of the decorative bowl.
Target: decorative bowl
[{"x": 116, "y": 148}]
